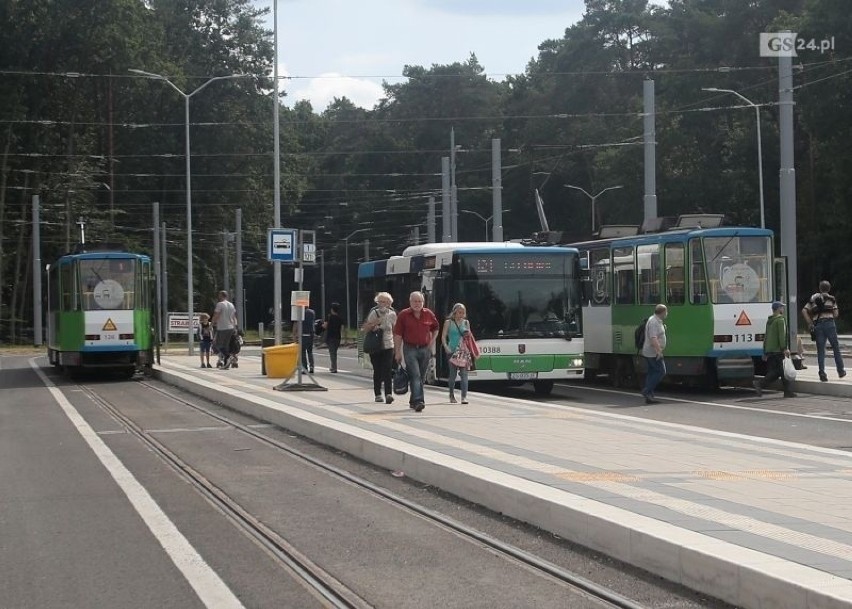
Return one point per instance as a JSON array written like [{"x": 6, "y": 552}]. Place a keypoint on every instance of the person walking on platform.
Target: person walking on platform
[
  {"x": 820, "y": 313},
  {"x": 382, "y": 317},
  {"x": 775, "y": 350},
  {"x": 225, "y": 320},
  {"x": 452, "y": 337},
  {"x": 307, "y": 340},
  {"x": 414, "y": 343},
  {"x": 333, "y": 325},
  {"x": 652, "y": 351}
]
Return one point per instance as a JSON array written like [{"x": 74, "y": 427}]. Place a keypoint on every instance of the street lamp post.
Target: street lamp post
[
  {"x": 593, "y": 198},
  {"x": 346, "y": 248},
  {"x": 486, "y": 220},
  {"x": 759, "y": 143},
  {"x": 186, "y": 96}
]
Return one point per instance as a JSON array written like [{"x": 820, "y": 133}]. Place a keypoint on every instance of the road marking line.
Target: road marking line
[{"x": 209, "y": 587}]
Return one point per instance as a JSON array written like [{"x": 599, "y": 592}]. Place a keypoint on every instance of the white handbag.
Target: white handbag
[{"x": 789, "y": 369}]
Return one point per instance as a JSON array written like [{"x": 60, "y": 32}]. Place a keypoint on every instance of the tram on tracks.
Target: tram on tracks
[
  {"x": 100, "y": 312},
  {"x": 523, "y": 304},
  {"x": 717, "y": 281}
]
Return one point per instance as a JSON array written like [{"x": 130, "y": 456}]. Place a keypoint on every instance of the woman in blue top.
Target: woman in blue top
[{"x": 454, "y": 329}]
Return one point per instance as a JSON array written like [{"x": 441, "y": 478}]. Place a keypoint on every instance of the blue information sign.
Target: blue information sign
[{"x": 282, "y": 245}]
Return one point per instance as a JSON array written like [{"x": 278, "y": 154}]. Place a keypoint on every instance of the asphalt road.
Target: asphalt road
[{"x": 86, "y": 514}]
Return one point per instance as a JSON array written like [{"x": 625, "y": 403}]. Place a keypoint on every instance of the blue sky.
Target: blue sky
[{"x": 336, "y": 48}]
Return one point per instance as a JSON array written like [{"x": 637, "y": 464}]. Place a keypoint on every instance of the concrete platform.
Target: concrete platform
[{"x": 756, "y": 522}]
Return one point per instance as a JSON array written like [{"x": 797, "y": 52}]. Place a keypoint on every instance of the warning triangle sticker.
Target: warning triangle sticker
[
  {"x": 109, "y": 326},
  {"x": 743, "y": 320}
]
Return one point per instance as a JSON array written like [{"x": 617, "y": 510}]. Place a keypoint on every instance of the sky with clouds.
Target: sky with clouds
[{"x": 336, "y": 48}]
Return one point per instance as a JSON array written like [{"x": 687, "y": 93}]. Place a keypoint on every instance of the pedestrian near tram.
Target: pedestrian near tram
[
  {"x": 383, "y": 317},
  {"x": 775, "y": 350},
  {"x": 452, "y": 338},
  {"x": 652, "y": 351},
  {"x": 414, "y": 344},
  {"x": 820, "y": 313},
  {"x": 333, "y": 326},
  {"x": 225, "y": 321}
]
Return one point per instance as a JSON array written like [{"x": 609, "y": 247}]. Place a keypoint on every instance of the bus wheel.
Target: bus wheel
[
  {"x": 542, "y": 387},
  {"x": 590, "y": 374}
]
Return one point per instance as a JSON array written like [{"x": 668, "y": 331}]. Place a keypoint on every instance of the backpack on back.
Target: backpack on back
[
  {"x": 639, "y": 335},
  {"x": 819, "y": 303}
]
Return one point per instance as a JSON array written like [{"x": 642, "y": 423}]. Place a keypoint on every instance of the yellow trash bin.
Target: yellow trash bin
[{"x": 281, "y": 360}]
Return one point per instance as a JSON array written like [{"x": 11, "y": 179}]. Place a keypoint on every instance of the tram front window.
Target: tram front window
[
  {"x": 739, "y": 268},
  {"x": 519, "y": 308},
  {"x": 107, "y": 284}
]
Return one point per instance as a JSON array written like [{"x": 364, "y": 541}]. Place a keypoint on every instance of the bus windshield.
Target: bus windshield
[
  {"x": 519, "y": 295},
  {"x": 739, "y": 269},
  {"x": 107, "y": 283}
]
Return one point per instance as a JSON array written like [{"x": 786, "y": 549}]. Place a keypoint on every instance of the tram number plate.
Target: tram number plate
[{"x": 523, "y": 376}]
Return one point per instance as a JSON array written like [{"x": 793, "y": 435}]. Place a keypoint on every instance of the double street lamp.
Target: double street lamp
[
  {"x": 486, "y": 220},
  {"x": 186, "y": 96},
  {"x": 593, "y": 198},
  {"x": 759, "y": 143},
  {"x": 346, "y": 248}
]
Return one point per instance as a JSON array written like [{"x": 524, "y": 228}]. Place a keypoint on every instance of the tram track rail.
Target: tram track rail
[{"x": 328, "y": 587}]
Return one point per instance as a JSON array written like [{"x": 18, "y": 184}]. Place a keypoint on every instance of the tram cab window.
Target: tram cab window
[
  {"x": 675, "y": 288},
  {"x": 737, "y": 268},
  {"x": 108, "y": 284}
]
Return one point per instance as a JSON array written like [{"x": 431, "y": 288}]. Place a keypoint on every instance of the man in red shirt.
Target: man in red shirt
[{"x": 414, "y": 342}]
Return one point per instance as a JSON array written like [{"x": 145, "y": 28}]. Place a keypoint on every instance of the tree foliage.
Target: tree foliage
[{"x": 100, "y": 143}]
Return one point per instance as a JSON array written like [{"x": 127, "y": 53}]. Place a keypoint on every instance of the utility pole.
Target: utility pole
[
  {"x": 788, "y": 190},
  {"x": 37, "y": 329},
  {"x": 241, "y": 302},
  {"x": 165, "y": 303},
  {"x": 157, "y": 266},
  {"x": 650, "y": 133},
  {"x": 430, "y": 221},
  {"x": 454, "y": 193},
  {"x": 446, "y": 229},
  {"x": 226, "y": 276},
  {"x": 496, "y": 192}
]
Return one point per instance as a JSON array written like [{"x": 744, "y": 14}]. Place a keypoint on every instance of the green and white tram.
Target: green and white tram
[
  {"x": 718, "y": 284},
  {"x": 523, "y": 304},
  {"x": 100, "y": 312}
]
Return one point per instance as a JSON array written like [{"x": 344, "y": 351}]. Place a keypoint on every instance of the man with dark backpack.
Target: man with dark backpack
[
  {"x": 639, "y": 335},
  {"x": 653, "y": 345},
  {"x": 820, "y": 313}
]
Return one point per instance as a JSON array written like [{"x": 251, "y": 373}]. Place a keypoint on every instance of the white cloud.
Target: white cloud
[
  {"x": 379, "y": 37},
  {"x": 322, "y": 90}
]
